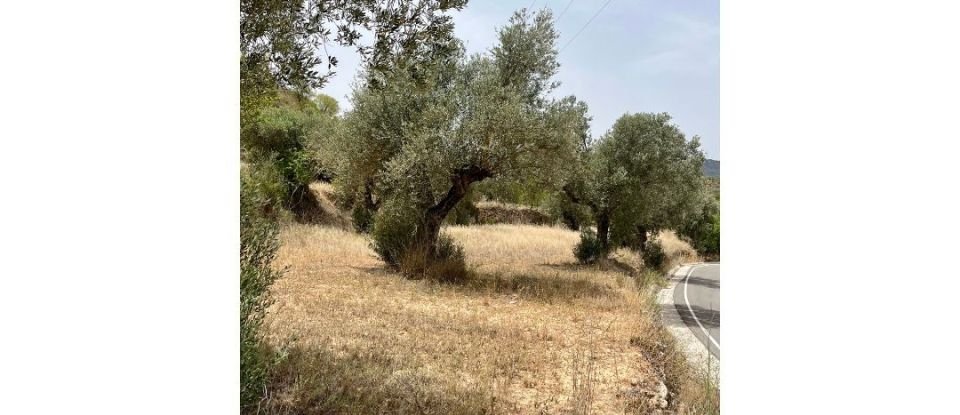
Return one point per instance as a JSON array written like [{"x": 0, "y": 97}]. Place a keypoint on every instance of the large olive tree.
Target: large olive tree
[
  {"x": 642, "y": 176},
  {"x": 385, "y": 108},
  {"x": 424, "y": 142}
]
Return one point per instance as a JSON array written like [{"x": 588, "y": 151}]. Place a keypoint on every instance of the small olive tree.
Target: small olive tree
[
  {"x": 422, "y": 143},
  {"x": 642, "y": 176}
]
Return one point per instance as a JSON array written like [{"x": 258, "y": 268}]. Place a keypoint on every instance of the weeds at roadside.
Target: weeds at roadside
[{"x": 701, "y": 394}]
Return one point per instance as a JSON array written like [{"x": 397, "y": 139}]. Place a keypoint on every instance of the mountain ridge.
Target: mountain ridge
[{"x": 711, "y": 168}]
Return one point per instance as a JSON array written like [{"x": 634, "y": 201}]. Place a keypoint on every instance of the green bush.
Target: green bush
[
  {"x": 710, "y": 243},
  {"x": 703, "y": 231},
  {"x": 394, "y": 230},
  {"x": 395, "y": 241},
  {"x": 589, "y": 249},
  {"x": 264, "y": 185},
  {"x": 289, "y": 136},
  {"x": 258, "y": 246},
  {"x": 653, "y": 255},
  {"x": 446, "y": 264}
]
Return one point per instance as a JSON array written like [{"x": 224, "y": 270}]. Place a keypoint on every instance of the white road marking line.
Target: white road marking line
[{"x": 687, "y": 300}]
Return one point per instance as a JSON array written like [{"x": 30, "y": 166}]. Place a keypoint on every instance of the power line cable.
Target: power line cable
[
  {"x": 565, "y": 9},
  {"x": 585, "y": 26}
]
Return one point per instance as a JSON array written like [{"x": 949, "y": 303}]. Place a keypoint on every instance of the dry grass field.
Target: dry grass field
[{"x": 529, "y": 332}]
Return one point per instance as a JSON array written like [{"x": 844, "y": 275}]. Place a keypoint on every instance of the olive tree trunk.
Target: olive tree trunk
[
  {"x": 603, "y": 231},
  {"x": 433, "y": 218},
  {"x": 641, "y": 241},
  {"x": 570, "y": 219},
  {"x": 369, "y": 203}
]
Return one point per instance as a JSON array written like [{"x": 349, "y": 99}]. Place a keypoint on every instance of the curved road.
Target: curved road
[{"x": 697, "y": 300}]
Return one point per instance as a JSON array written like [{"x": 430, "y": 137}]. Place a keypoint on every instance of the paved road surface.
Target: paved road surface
[{"x": 697, "y": 299}]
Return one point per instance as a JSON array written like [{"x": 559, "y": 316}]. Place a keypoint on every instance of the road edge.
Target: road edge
[{"x": 695, "y": 351}]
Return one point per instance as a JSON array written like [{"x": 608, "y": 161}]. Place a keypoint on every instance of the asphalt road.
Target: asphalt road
[{"x": 697, "y": 299}]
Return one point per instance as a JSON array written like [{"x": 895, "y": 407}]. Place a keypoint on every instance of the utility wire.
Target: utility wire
[
  {"x": 564, "y": 10},
  {"x": 585, "y": 26}
]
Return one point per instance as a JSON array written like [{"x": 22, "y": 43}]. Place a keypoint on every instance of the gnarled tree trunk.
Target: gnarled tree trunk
[{"x": 434, "y": 216}]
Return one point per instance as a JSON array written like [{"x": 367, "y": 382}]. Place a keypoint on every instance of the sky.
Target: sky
[{"x": 635, "y": 56}]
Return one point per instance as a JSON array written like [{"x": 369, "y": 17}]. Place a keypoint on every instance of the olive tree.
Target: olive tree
[
  {"x": 423, "y": 144},
  {"x": 642, "y": 176},
  {"x": 385, "y": 108}
]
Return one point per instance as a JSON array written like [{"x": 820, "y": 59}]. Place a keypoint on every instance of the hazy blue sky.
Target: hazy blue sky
[{"x": 636, "y": 56}]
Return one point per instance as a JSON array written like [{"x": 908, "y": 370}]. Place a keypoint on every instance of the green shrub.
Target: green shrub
[
  {"x": 289, "y": 135},
  {"x": 258, "y": 246},
  {"x": 446, "y": 264},
  {"x": 395, "y": 241},
  {"x": 589, "y": 249},
  {"x": 264, "y": 185},
  {"x": 709, "y": 243},
  {"x": 703, "y": 230},
  {"x": 394, "y": 230},
  {"x": 653, "y": 255}
]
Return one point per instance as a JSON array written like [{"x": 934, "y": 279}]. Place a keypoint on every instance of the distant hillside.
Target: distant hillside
[{"x": 711, "y": 168}]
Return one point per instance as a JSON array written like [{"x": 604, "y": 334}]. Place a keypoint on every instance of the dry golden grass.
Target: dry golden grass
[
  {"x": 677, "y": 251},
  {"x": 529, "y": 332}
]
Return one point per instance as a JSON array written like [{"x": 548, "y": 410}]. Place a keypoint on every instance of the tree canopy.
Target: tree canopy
[
  {"x": 281, "y": 41},
  {"x": 641, "y": 176},
  {"x": 423, "y": 142}
]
